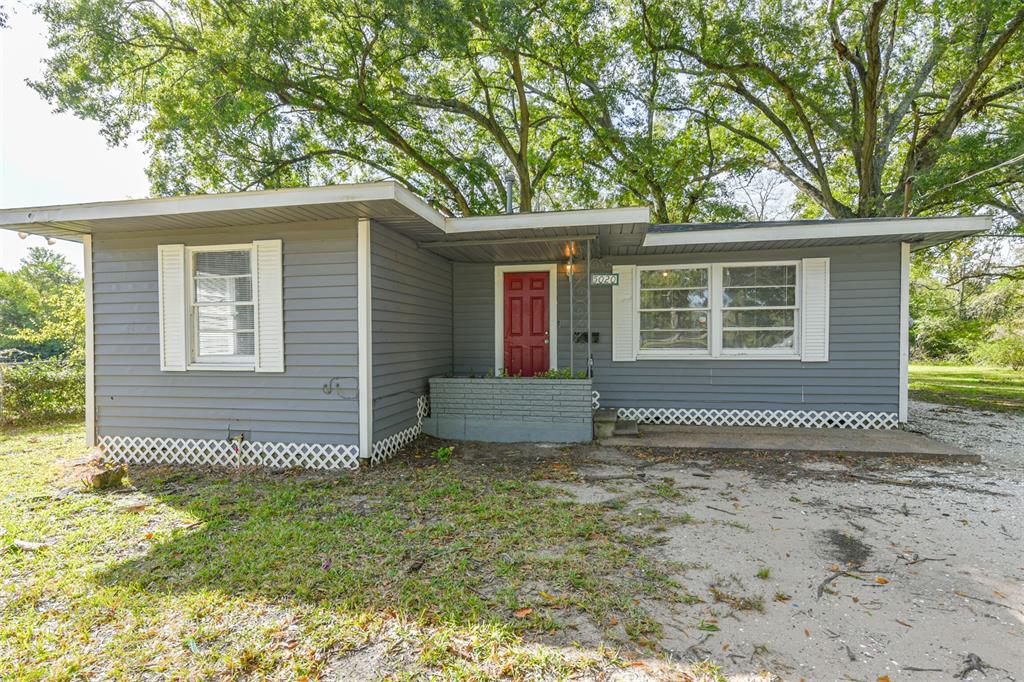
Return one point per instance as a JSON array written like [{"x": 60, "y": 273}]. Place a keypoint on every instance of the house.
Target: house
[{"x": 305, "y": 326}]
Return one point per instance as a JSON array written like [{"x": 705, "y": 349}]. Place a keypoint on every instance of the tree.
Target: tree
[
  {"x": 42, "y": 307},
  {"x": 446, "y": 97},
  {"x": 893, "y": 107}
]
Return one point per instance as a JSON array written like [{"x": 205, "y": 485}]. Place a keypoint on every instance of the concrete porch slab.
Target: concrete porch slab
[{"x": 847, "y": 441}]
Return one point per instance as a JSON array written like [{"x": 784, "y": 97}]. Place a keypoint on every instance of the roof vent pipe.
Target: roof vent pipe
[{"x": 509, "y": 178}]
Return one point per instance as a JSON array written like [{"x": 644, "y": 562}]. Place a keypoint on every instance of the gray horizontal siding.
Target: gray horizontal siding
[
  {"x": 134, "y": 398},
  {"x": 862, "y": 372},
  {"x": 412, "y": 326}
]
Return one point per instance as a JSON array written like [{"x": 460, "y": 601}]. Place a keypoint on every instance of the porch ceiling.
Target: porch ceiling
[{"x": 537, "y": 245}]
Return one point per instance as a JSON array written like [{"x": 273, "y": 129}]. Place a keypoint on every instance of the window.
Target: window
[
  {"x": 674, "y": 309},
  {"x": 759, "y": 308},
  {"x": 223, "y": 316},
  {"x": 221, "y": 307},
  {"x": 718, "y": 310}
]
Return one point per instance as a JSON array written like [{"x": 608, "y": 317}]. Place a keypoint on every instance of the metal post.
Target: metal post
[
  {"x": 572, "y": 334},
  {"x": 590, "y": 358}
]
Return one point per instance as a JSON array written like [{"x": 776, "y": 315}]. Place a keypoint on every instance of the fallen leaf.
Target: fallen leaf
[
  {"x": 884, "y": 678},
  {"x": 856, "y": 600},
  {"x": 881, "y": 581},
  {"x": 522, "y": 613},
  {"x": 548, "y": 597},
  {"x": 613, "y": 621},
  {"x": 149, "y": 536},
  {"x": 904, "y": 623},
  {"x": 807, "y": 632}
]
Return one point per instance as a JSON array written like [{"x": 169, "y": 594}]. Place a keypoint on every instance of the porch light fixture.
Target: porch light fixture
[
  {"x": 51, "y": 241},
  {"x": 23, "y": 235}
]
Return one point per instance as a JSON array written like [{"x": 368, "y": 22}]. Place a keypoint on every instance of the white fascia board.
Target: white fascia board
[
  {"x": 202, "y": 203},
  {"x": 827, "y": 230},
  {"x": 540, "y": 220}
]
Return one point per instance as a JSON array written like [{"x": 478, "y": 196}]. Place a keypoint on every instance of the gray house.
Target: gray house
[{"x": 316, "y": 327}]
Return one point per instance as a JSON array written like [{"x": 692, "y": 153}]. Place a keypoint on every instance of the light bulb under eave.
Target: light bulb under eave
[
  {"x": 51, "y": 241},
  {"x": 23, "y": 235}
]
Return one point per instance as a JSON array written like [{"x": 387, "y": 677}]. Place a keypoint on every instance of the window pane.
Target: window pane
[
  {"x": 694, "y": 340},
  {"x": 672, "y": 320},
  {"x": 757, "y": 339},
  {"x": 227, "y": 344},
  {"x": 758, "y": 318},
  {"x": 224, "y": 289},
  {"x": 682, "y": 298},
  {"x": 760, "y": 275},
  {"x": 217, "y": 263},
  {"x": 226, "y": 318},
  {"x": 758, "y": 297},
  {"x": 674, "y": 279}
]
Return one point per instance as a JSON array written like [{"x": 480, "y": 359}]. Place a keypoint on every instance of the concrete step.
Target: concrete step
[
  {"x": 626, "y": 427},
  {"x": 604, "y": 423}
]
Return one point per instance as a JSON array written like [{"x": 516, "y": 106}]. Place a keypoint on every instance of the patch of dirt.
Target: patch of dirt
[
  {"x": 927, "y": 573},
  {"x": 844, "y": 548}
]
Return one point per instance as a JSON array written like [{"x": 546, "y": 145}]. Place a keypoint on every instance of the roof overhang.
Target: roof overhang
[
  {"x": 387, "y": 202},
  {"x": 512, "y": 238},
  {"x": 919, "y": 232}
]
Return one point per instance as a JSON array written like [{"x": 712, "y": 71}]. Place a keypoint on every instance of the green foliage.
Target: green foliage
[
  {"x": 1004, "y": 347},
  {"x": 42, "y": 316},
  {"x": 443, "y": 454},
  {"x": 42, "y": 309},
  {"x": 445, "y": 97},
  {"x": 41, "y": 389},
  {"x": 870, "y": 109},
  {"x": 964, "y": 307}
]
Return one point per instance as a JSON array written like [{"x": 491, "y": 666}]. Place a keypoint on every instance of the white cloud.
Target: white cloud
[{"x": 49, "y": 158}]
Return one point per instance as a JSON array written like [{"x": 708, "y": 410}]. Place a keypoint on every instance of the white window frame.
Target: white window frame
[
  {"x": 715, "y": 327},
  {"x": 673, "y": 352},
  {"x": 238, "y": 363}
]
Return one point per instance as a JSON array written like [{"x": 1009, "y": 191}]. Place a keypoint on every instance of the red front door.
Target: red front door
[{"x": 526, "y": 323}]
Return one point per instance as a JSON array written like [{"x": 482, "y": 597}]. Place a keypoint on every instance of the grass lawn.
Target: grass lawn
[
  {"x": 988, "y": 388},
  {"x": 198, "y": 574}
]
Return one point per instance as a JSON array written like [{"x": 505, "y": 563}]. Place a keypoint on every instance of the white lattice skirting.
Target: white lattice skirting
[
  {"x": 798, "y": 418},
  {"x": 386, "y": 448},
  {"x": 142, "y": 450},
  {"x": 146, "y": 450}
]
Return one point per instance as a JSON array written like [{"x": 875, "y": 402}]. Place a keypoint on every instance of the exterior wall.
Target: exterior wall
[
  {"x": 134, "y": 398},
  {"x": 412, "y": 326},
  {"x": 510, "y": 410},
  {"x": 862, "y": 373}
]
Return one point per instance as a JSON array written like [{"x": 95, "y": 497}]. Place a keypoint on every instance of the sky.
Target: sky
[{"x": 46, "y": 157}]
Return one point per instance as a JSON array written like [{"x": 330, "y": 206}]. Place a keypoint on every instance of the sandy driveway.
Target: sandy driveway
[{"x": 825, "y": 569}]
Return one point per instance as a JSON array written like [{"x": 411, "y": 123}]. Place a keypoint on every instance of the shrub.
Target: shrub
[
  {"x": 1004, "y": 348},
  {"x": 40, "y": 389}
]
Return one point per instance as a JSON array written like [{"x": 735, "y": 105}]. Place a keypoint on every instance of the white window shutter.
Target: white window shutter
[
  {"x": 623, "y": 314},
  {"x": 172, "y": 307},
  {"x": 267, "y": 273},
  {"x": 814, "y": 310}
]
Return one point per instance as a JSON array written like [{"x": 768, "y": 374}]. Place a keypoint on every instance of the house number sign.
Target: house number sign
[{"x": 607, "y": 279}]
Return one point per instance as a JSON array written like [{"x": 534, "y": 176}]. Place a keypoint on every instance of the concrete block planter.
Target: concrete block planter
[{"x": 507, "y": 410}]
